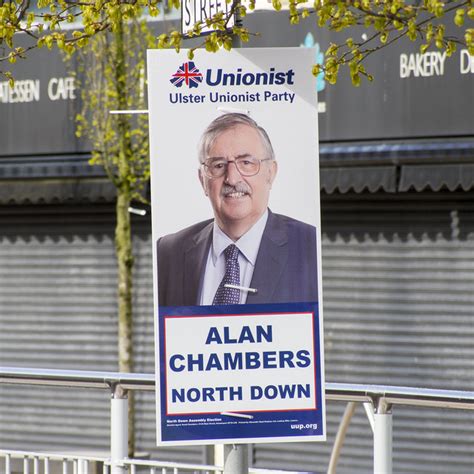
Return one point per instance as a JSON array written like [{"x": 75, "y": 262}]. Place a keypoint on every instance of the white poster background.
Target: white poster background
[{"x": 178, "y": 200}]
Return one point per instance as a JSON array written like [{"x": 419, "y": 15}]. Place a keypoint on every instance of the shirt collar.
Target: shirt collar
[{"x": 248, "y": 244}]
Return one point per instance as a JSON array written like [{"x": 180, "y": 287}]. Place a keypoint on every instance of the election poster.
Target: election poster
[{"x": 236, "y": 246}]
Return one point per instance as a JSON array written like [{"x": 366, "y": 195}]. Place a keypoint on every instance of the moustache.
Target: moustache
[{"x": 239, "y": 187}]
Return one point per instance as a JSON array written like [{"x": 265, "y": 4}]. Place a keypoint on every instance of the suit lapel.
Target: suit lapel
[
  {"x": 271, "y": 260},
  {"x": 194, "y": 264}
]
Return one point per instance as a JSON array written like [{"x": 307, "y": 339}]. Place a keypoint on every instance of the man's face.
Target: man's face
[{"x": 239, "y": 200}]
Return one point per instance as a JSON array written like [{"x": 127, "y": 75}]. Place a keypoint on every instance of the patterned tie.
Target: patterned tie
[{"x": 232, "y": 276}]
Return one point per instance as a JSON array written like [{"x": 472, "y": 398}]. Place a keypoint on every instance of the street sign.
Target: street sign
[{"x": 194, "y": 11}]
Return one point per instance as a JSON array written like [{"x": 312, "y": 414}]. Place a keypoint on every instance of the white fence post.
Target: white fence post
[
  {"x": 383, "y": 439},
  {"x": 236, "y": 459},
  {"x": 118, "y": 430}
]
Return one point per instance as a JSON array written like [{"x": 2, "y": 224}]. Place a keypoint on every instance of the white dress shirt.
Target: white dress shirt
[{"x": 248, "y": 246}]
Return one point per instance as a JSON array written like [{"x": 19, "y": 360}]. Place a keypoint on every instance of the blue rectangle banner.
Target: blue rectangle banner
[{"x": 240, "y": 372}]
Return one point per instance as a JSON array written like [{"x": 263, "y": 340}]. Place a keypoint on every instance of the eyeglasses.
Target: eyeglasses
[{"x": 246, "y": 166}]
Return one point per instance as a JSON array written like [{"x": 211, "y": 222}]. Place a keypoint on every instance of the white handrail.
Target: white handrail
[{"x": 392, "y": 395}]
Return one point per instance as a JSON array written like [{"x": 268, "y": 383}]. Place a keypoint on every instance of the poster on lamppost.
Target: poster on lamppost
[{"x": 236, "y": 246}]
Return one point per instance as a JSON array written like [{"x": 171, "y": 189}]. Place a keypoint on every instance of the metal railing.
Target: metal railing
[
  {"x": 376, "y": 399},
  {"x": 39, "y": 463}
]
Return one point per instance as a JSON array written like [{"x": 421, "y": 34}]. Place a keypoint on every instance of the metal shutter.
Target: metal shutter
[{"x": 58, "y": 310}]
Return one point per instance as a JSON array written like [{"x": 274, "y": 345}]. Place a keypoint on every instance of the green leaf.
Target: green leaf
[
  {"x": 459, "y": 17},
  {"x": 276, "y": 5},
  {"x": 450, "y": 48},
  {"x": 294, "y": 19},
  {"x": 355, "y": 79},
  {"x": 228, "y": 43},
  {"x": 30, "y": 19},
  {"x": 316, "y": 69}
]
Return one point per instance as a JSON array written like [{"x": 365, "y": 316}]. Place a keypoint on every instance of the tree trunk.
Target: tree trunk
[
  {"x": 123, "y": 233},
  {"x": 123, "y": 248}
]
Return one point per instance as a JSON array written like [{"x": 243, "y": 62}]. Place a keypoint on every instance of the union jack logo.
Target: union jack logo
[{"x": 187, "y": 73}]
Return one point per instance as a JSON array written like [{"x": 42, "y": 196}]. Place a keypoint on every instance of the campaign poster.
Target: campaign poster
[{"x": 236, "y": 241}]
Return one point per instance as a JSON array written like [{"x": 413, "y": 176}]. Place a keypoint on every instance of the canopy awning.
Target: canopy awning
[
  {"x": 378, "y": 167},
  {"x": 395, "y": 167}
]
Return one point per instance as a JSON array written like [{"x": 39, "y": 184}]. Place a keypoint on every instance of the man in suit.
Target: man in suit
[{"x": 246, "y": 254}]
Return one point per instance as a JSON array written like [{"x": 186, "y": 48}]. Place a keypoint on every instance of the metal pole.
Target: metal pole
[
  {"x": 118, "y": 430},
  {"x": 340, "y": 436},
  {"x": 383, "y": 439},
  {"x": 236, "y": 43},
  {"x": 236, "y": 460}
]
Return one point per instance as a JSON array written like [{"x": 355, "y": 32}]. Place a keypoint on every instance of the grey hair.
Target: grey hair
[{"x": 226, "y": 122}]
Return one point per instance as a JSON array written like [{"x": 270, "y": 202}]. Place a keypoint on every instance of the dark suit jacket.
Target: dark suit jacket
[{"x": 285, "y": 269}]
